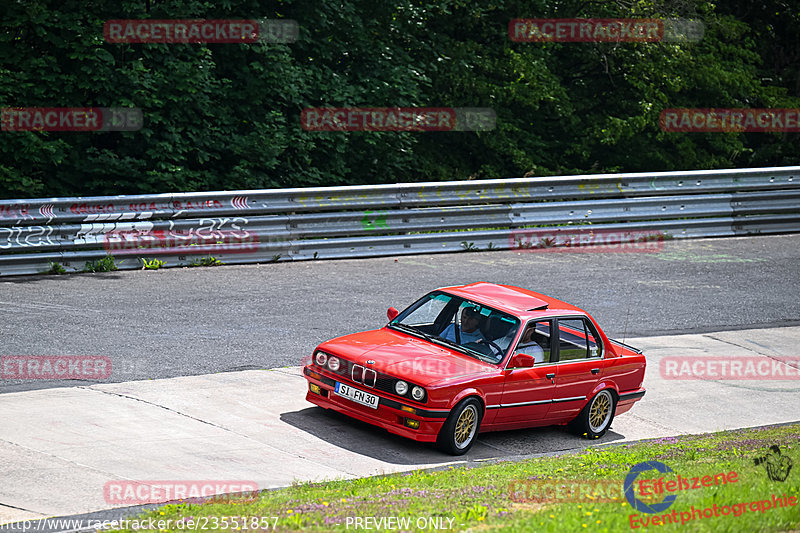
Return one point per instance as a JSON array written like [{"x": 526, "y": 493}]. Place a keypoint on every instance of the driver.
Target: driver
[{"x": 470, "y": 330}]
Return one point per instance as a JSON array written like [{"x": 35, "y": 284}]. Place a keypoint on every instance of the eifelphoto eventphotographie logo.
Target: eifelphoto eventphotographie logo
[
  {"x": 378, "y": 119},
  {"x": 74, "y": 119},
  {"x": 175, "y": 31},
  {"x": 655, "y": 513},
  {"x": 586, "y": 240},
  {"x": 605, "y": 30},
  {"x": 52, "y": 367},
  {"x": 777, "y": 465},
  {"x": 651, "y": 488}
]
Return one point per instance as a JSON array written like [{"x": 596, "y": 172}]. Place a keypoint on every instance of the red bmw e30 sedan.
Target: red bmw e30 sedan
[{"x": 476, "y": 358}]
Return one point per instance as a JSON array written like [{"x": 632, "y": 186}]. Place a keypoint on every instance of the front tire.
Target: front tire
[
  {"x": 595, "y": 418},
  {"x": 460, "y": 430}
]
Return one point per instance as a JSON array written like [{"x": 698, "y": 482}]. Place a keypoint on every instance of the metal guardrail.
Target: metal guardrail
[{"x": 363, "y": 221}]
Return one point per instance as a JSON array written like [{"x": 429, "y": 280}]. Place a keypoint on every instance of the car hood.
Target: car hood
[{"x": 404, "y": 356}]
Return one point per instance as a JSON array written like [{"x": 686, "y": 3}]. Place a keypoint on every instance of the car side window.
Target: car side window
[
  {"x": 595, "y": 347},
  {"x": 577, "y": 340},
  {"x": 535, "y": 341},
  {"x": 572, "y": 339}
]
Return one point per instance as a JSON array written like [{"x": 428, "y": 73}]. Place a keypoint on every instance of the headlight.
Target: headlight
[
  {"x": 321, "y": 358},
  {"x": 401, "y": 388},
  {"x": 418, "y": 393},
  {"x": 333, "y": 364}
]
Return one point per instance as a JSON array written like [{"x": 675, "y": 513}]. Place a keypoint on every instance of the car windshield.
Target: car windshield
[{"x": 472, "y": 328}]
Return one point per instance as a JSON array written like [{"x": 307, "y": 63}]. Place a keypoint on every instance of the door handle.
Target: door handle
[
  {"x": 595, "y": 370},
  {"x": 550, "y": 376}
]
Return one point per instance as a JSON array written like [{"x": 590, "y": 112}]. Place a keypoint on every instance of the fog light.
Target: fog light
[
  {"x": 314, "y": 388},
  {"x": 408, "y": 409},
  {"x": 410, "y": 422}
]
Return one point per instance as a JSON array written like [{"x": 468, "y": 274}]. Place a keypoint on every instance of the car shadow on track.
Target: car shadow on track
[{"x": 370, "y": 441}]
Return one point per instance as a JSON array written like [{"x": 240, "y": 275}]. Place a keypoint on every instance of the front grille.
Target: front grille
[
  {"x": 369, "y": 378},
  {"x": 366, "y": 376},
  {"x": 386, "y": 384}
]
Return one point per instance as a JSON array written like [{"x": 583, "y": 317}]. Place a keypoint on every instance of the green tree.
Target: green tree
[{"x": 227, "y": 116}]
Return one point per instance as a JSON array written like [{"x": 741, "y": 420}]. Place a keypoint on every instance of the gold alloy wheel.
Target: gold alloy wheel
[
  {"x": 598, "y": 413},
  {"x": 465, "y": 426}
]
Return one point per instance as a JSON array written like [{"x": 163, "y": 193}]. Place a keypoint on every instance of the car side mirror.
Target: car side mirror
[
  {"x": 522, "y": 360},
  {"x": 392, "y": 313}
]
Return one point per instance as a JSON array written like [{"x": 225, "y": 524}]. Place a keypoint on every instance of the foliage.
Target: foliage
[
  {"x": 105, "y": 264},
  {"x": 55, "y": 268},
  {"x": 226, "y": 116},
  {"x": 209, "y": 260}
]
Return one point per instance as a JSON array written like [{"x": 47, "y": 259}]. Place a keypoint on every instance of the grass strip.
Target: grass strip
[{"x": 525, "y": 495}]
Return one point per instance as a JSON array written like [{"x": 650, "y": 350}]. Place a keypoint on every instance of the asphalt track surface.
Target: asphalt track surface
[
  {"x": 256, "y": 425},
  {"x": 193, "y": 321}
]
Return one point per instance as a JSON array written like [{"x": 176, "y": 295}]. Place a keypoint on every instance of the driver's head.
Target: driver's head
[
  {"x": 470, "y": 319},
  {"x": 527, "y": 336}
]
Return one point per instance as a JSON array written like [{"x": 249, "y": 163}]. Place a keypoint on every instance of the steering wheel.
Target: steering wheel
[{"x": 491, "y": 344}]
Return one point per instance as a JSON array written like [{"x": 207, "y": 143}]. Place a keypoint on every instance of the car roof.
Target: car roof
[{"x": 513, "y": 300}]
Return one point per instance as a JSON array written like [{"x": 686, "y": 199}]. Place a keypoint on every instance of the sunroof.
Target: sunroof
[{"x": 540, "y": 308}]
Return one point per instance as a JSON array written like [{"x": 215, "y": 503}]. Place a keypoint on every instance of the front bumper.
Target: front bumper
[{"x": 389, "y": 415}]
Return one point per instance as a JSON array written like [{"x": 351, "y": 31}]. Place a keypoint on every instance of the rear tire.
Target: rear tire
[
  {"x": 460, "y": 430},
  {"x": 596, "y": 417}
]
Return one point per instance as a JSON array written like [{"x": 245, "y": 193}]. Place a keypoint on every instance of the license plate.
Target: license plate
[{"x": 358, "y": 396}]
